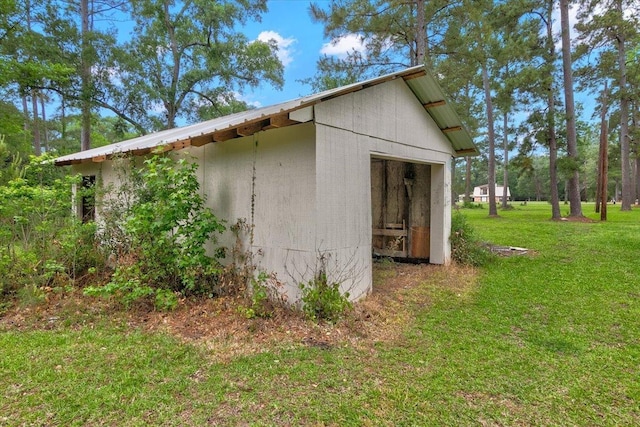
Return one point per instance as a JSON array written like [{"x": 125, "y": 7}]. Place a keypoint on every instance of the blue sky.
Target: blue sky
[{"x": 300, "y": 42}]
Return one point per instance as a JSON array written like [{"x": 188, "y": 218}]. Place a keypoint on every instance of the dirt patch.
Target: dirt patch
[{"x": 219, "y": 325}]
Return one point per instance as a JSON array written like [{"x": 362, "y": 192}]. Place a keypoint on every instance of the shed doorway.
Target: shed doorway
[{"x": 401, "y": 209}]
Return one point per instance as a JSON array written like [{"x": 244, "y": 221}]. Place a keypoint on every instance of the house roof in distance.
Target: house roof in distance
[{"x": 423, "y": 85}]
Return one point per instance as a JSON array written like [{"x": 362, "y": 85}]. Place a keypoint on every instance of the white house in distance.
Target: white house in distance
[
  {"x": 348, "y": 172},
  {"x": 481, "y": 193}
]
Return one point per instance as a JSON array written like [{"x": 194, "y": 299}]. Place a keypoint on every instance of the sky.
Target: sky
[{"x": 301, "y": 43}]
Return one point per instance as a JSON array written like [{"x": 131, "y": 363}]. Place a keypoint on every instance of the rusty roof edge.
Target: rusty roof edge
[
  {"x": 470, "y": 148},
  {"x": 170, "y": 136}
]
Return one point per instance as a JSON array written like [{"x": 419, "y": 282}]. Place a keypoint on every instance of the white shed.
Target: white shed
[{"x": 348, "y": 173}]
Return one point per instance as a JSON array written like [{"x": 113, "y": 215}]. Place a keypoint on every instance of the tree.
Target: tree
[
  {"x": 575, "y": 209},
  {"x": 601, "y": 193},
  {"x": 607, "y": 28},
  {"x": 27, "y": 63},
  {"x": 392, "y": 34},
  {"x": 537, "y": 84},
  {"x": 186, "y": 54},
  {"x": 478, "y": 40}
]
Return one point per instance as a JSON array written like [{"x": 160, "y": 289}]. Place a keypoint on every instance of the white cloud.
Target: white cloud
[
  {"x": 285, "y": 48},
  {"x": 343, "y": 45},
  {"x": 247, "y": 100}
]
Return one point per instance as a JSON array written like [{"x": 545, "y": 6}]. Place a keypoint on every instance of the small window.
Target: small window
[{"x": 88, "y": 198}]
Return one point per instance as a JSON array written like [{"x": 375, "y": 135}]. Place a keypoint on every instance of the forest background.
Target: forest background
[{"x": 84, "y": 73}]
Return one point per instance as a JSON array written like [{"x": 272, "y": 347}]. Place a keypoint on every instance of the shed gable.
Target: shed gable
[{"x": 390, "y": 112}]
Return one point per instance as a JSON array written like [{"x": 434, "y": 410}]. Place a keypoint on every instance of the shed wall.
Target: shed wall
[
  {"x": 268, "y": 180},
  {"x": 384, "y": 121}
]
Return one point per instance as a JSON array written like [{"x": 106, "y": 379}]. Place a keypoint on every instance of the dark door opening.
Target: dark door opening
[
  {"x": 401, "y": 209},
  {"x": 88, "y": 198}
]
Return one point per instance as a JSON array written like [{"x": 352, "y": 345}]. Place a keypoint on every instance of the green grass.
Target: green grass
[{"x": 550, "y": 339}]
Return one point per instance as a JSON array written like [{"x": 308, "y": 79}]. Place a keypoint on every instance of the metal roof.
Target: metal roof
[{"x": 423, "y": 85}]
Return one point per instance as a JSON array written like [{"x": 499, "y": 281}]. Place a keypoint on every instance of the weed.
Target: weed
[
  {"x": 465, "y": 247},
  {"x": 322, "y": 300}
]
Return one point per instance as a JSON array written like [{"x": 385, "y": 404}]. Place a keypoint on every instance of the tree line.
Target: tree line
[
  {"x": 512, "y": 69},
  {"x": 117, "y": 69}
]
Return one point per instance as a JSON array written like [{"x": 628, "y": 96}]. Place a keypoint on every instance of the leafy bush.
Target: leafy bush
[
  {"x": 323, "y": 300},
  {"x": 160, "y": 245},
  {"x": 465, "y": 247},
  {"x": 41, "y": 243},
  {"x": 259, "y": 295}
]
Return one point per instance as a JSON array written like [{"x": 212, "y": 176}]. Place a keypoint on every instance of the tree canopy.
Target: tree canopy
[{"x": 82, "y": 73}]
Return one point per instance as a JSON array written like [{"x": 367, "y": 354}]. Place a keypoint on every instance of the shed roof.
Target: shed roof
[{"x": 418, "y": 79}]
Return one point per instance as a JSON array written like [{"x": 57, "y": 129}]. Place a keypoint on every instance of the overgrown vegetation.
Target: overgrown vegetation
[
  {"x": 156, "y": 241},
  {"x": 545, "y": 339},
  {"x": 160, "y": 245},
  {"x": 41, "y": 243},
  {"x": 466, "y": 249},
  {"x": 323, "y": 300},
  {"x": 472, "y": 205}
]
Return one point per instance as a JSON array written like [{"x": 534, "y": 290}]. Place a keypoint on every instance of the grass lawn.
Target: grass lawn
[{"x": 546, "y": 339}]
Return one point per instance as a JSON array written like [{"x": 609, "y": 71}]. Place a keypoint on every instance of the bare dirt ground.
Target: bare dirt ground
[{"x": 218, "y": 324}]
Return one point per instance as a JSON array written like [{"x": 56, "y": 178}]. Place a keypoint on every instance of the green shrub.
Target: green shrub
[
  {"x": 160, "y": 245},
  {"x": 165, "y": 300},
  {"x": 41, "y": 242},
  {"x": 259, "y": 297},
  {"x": 471, "y": 205},
  {"x": 323, "y": 300},
  {"x": 465, "y": 247}
]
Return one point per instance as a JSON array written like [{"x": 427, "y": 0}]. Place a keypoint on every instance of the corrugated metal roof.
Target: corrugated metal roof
[{"x": 421, "y": 82}]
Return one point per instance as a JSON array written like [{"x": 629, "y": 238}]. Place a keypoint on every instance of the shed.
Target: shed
[{"x": 344, "y": 174}]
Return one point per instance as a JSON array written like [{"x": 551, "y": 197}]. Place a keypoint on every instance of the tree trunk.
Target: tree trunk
[
  {"x": 85, "y": 77},
  {"x": 551, "y": 122},
  {"x": 45, "y": 137},
  {"x": 575, "y": 209},
  {"x": 493, "y": 211},
  {"x": 603, "y": 165},
  {"x": 421, "y": 33},
  {"x": 63, "y": 119},
  {"x": 636, "y": 131},
  {"x": 553, "y": 158},
  {"x": 505, "y": 172},
  {"x": 37, "y": 147},
  {"x": 624, "y": 115},
  {"x": 467, "y": 181},
  {"x": 25, "y": 113},
  {"x": 637, "y": 179}
]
